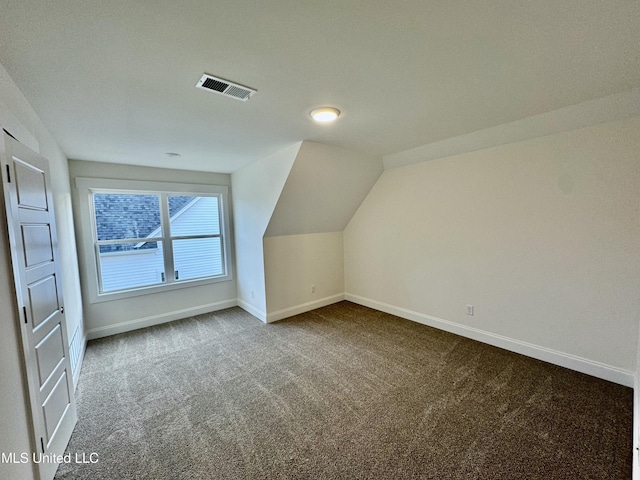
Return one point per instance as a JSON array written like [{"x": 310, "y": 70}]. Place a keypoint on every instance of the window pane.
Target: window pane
[
  {"x": 193, "y": 215},
  {"x": 197, "y": 258},
  {"x": 126, "y": 216},
  {"x": 130, "y": 267}
]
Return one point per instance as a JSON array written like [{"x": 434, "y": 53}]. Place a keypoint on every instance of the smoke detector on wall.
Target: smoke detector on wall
[{"x": 225, "y": 87}]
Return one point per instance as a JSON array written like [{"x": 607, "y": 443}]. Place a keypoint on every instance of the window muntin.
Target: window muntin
[{"x": 140, "y": 236}]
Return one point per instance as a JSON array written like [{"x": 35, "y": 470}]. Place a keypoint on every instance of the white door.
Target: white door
[{"x": 32, "y": 234}]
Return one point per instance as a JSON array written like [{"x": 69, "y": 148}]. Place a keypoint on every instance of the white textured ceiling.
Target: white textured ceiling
[{"x": 114, "y": 80}]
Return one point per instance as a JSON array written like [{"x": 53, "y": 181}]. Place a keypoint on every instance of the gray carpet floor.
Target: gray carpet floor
[{"x": 343, "y": 392}]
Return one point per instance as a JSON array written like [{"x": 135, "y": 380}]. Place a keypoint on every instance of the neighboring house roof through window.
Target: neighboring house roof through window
[{"x": 132, "y": 216}]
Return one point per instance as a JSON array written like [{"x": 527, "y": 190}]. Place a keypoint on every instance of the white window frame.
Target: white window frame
[{"x": 88, "y": 186}]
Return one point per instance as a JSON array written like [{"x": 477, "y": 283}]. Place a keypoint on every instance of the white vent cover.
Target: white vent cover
[{"x": 225, "y": 87}]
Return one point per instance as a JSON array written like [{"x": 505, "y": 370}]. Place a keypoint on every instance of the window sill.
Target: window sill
[{"x": 158, "y": 288}]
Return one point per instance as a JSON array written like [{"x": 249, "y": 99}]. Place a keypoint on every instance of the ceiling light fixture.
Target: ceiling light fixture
[
  {"x": 173, "y": 154},
  {"x": 325, "y": 114}
]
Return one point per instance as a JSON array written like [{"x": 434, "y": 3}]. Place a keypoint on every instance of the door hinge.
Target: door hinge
[
  {"x": 62, "y": 310},
  {"x": 42, "y": 444},
  {"x": 8, "y": 174},
  {"x": 24, "y": 309}
]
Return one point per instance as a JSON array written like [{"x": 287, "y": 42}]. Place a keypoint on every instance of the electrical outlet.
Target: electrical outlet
[
  {"x": 470, "y": 310},
  {"x": 313, "y": 289}
]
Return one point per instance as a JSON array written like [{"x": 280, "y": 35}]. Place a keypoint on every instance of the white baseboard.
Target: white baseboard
[
  {"x": 158, "y": 319},
  {"x": 583, "y": 365},
  {"x": 304, "y": 307},
  {"x": 246, "y": 306}
]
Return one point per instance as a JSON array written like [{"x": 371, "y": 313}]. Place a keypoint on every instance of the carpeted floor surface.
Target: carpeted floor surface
[{"x": 343, "y": 392}]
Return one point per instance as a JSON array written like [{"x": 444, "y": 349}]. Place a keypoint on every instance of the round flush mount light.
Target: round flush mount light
[{"x": 325, "y": 114}]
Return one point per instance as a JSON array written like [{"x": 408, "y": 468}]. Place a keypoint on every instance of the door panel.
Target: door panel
[
  {"x": 31, "y": 186},
  {"x": 49, "y": 353},
  {"x": 37, "y": 238},
  {"x": 43, "y": 297},
  {"x": 34, "y": 258},
  {"x": 55, "y": 406}
]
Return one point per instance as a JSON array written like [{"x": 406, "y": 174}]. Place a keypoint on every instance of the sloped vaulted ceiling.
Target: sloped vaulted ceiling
[{"x": 325, "y": 187}]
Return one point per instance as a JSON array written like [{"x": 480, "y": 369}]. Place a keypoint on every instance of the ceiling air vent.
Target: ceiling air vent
[{"x": 226, "y": 88}]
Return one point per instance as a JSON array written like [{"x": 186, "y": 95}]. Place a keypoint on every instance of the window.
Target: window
[{"x": 143, "y": 240}]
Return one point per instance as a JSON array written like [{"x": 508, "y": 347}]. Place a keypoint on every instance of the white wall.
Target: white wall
[
  {"x": 17, "y": 116},
  {"x": 295, "y": 263},
  {"x": 115, "y": 316},
  {"x": 256, "y": 189},
  {"x": 542, "y": 236},
  {"x": 303, "y": 243}
]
